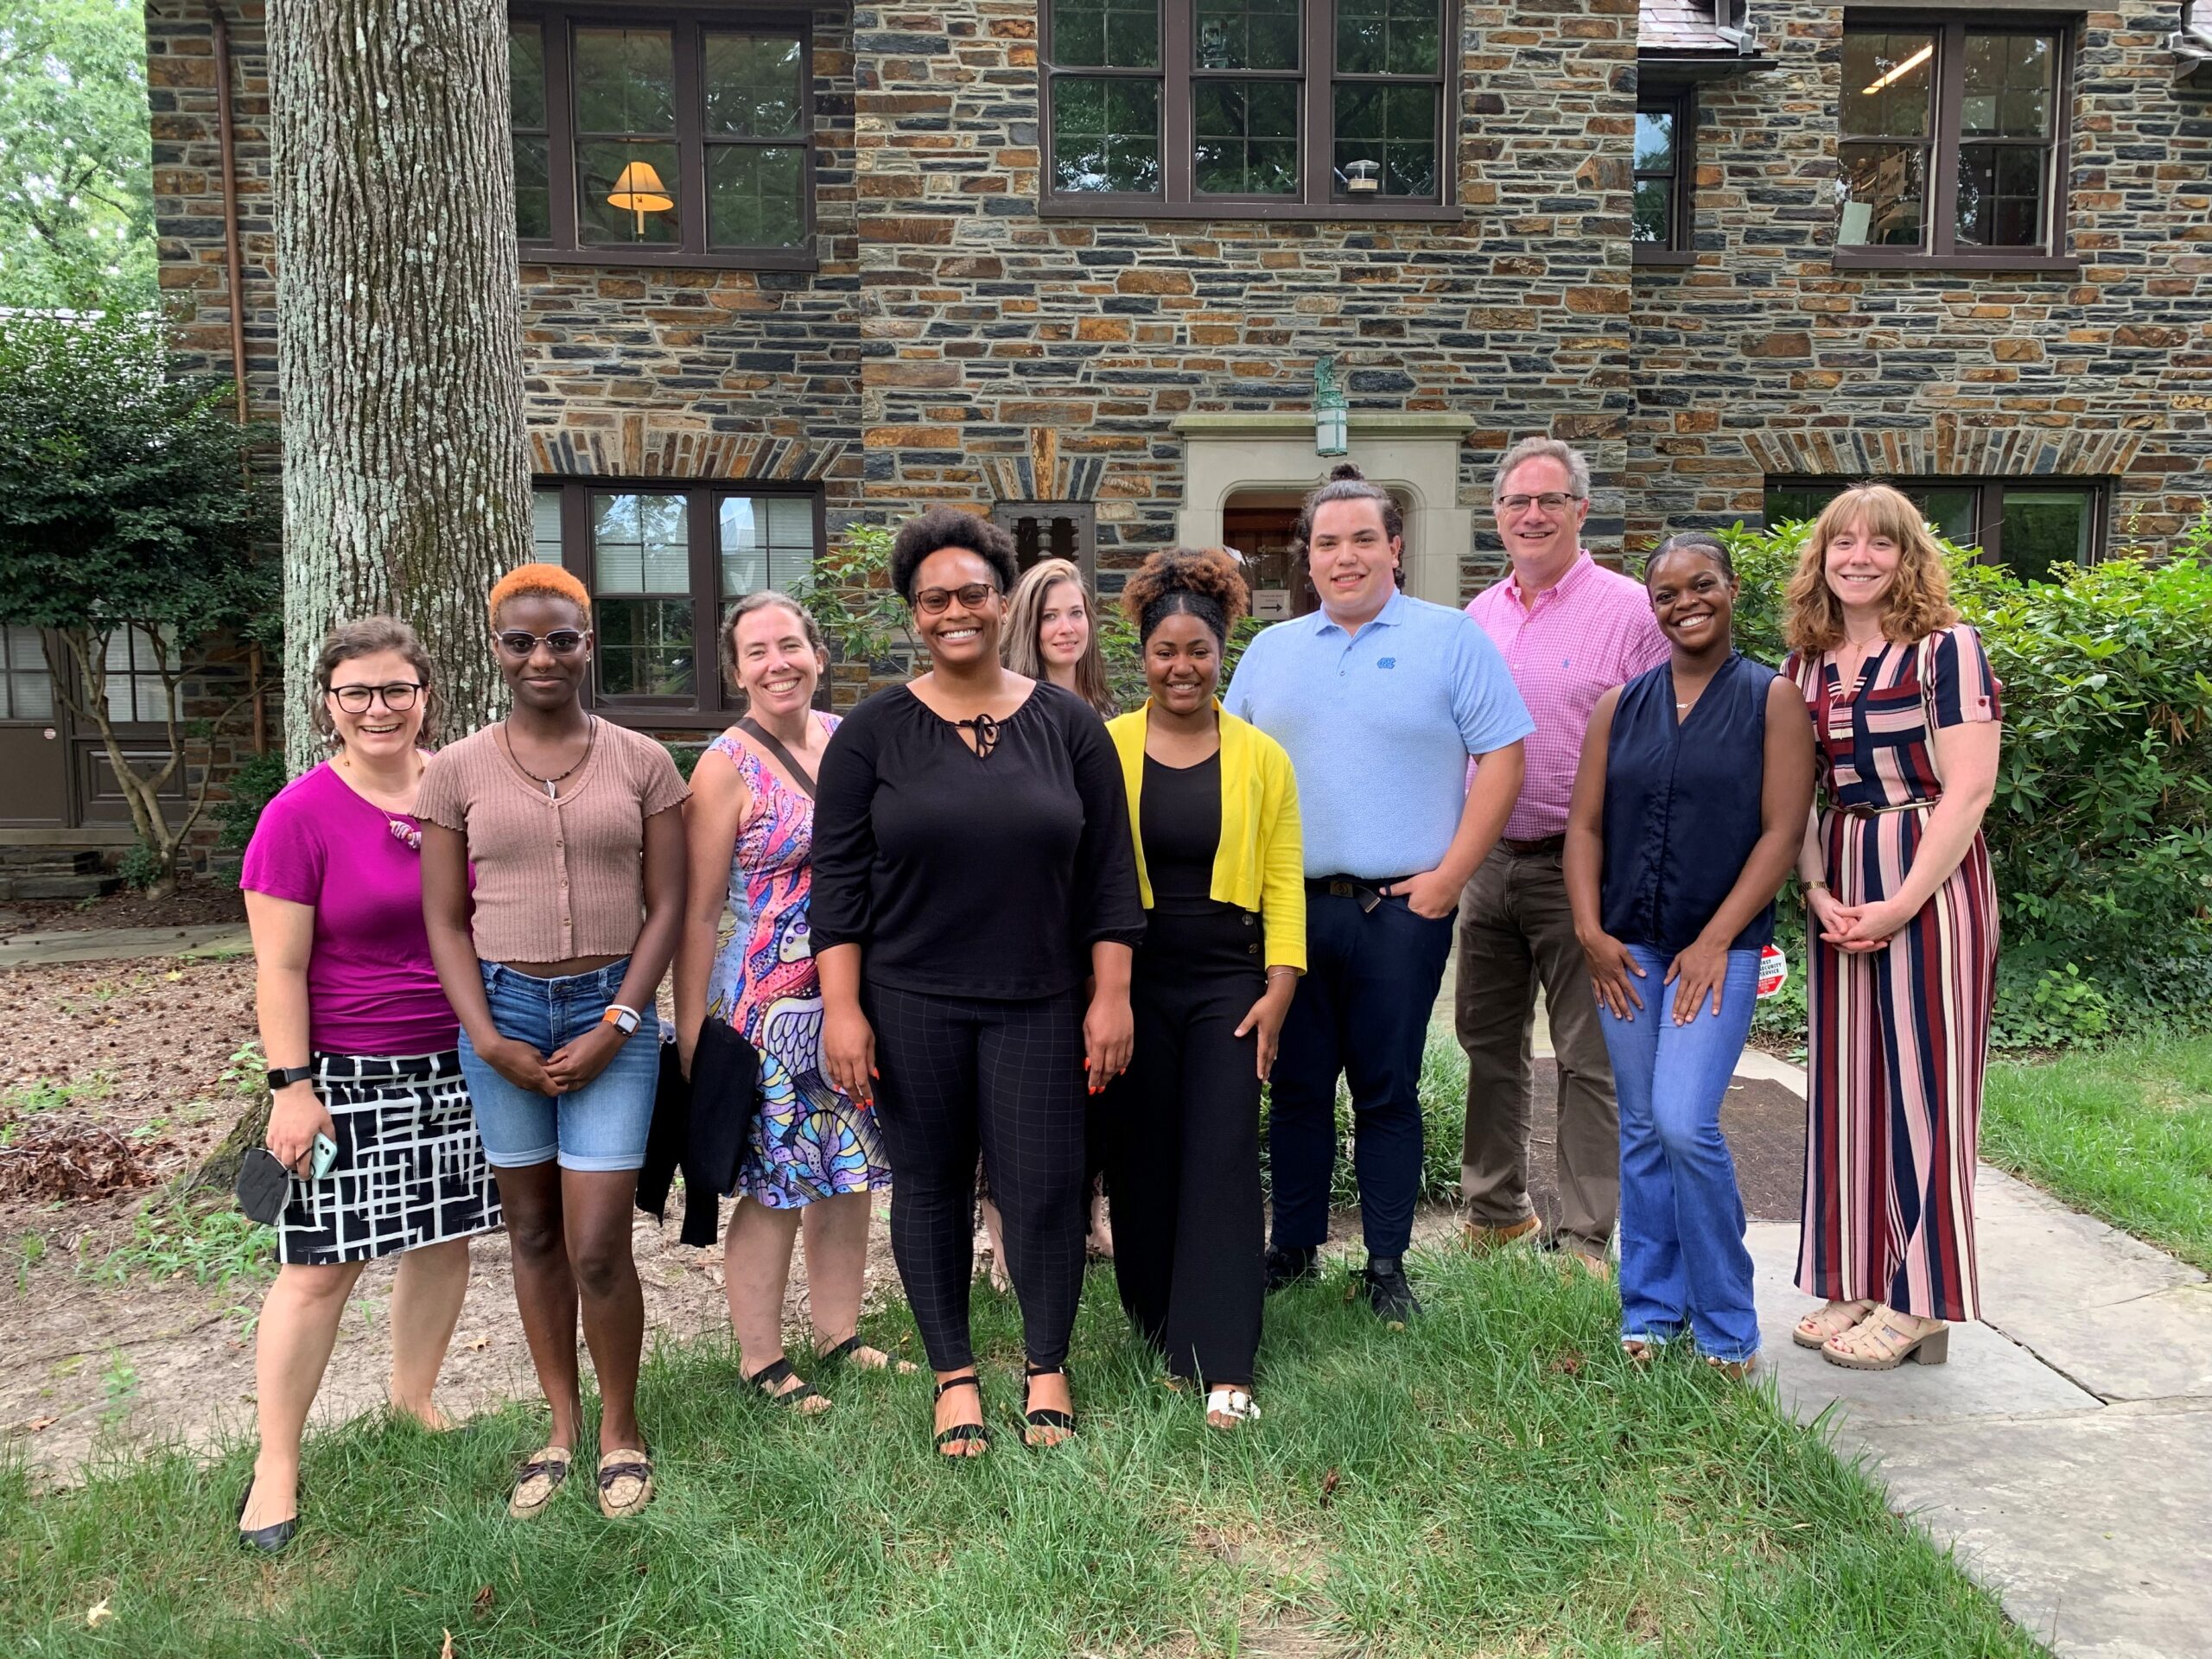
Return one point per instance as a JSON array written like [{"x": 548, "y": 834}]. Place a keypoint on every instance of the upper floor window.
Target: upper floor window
[
  {"x": 675, "y": 138},
  {"x": 662, "y": 564},
  {"x": 1248, "y": 108},
  {"x": 1661, "y": 230},
  {"x": 1952, "y": 142},
  {"x": 1051, "y": 529}
]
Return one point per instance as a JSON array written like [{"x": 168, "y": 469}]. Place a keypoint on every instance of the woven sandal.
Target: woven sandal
[
  {"x": 1235, "y": 1404},
  {"x": 537, "y": 1481},
  {"x": 1877, "y": 1343},
  {"x": 617, "y": 1467},
  {"x": 953, "y": 1442}
]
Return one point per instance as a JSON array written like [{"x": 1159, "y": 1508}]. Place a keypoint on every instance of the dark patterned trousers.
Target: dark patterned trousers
[{"x": 961, "y": 1074}]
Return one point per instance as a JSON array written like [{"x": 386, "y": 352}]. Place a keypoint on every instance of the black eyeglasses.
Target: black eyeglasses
[
  {"x": 519, "y": 642},
  {"x": 399, "y": 697},
  {"x": 935, "y": 602},
  {"x": 1550, "y": 501}
]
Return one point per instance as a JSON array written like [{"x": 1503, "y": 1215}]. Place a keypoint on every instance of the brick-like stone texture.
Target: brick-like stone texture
[
  {"x": 1763, "y": 359},
  {"x": 1011, "y": 354}
]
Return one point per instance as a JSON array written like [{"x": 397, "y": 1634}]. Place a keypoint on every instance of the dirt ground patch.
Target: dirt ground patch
[{"x": 196, "y": 903}]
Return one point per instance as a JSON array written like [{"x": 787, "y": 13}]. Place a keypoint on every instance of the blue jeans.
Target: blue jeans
[
  {"x": 600, "y": 1125},
  {"x": 1682, "y": 1255},
  {"x": 1361, "y": 1010}
]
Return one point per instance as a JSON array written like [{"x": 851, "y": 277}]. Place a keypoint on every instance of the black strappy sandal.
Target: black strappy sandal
[
  {"x": 1044, "y": 1417},
  {"x": 962, "y": 1434},
  {"x": 768, "y": 1376}
]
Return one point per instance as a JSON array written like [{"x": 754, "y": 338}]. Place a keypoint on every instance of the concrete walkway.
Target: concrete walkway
[
  {"x": 2065, "y": 1451},
  {"x": 124, "y": 944}
]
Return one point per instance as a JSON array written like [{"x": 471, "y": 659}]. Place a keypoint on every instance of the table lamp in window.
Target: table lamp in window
[{"x": 639, "y": 191}]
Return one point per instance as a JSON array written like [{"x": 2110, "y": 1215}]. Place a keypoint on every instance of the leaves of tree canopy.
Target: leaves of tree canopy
[
  {"x": 121, "y": 495},
  {"x": 76, "y": 155}
]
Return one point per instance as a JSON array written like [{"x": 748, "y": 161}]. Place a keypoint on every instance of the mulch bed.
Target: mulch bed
[{"x": 196, "y": 904}]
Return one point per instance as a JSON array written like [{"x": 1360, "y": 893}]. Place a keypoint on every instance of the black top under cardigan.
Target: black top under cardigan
[
  {"x": 1682, "y": 805},
  {"x": 962, "y": 874}
]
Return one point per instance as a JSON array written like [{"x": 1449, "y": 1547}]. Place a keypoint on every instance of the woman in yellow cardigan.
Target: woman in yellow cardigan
[{"x": 1213, "y": 806}]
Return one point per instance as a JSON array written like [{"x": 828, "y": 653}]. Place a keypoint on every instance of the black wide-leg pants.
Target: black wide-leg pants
[
  {"x": 1182, "y": 1145},
  {"x": 963, "y": 1073}
]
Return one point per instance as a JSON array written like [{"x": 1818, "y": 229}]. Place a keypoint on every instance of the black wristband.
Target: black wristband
[{"x": 283, "y": 1077}]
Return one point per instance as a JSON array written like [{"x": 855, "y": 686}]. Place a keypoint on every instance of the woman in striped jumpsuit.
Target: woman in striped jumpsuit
[{"x": 1902, "y": 977}]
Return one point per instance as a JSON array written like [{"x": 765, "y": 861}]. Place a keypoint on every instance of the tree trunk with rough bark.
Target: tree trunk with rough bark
[{"x": 399, "y": 334}]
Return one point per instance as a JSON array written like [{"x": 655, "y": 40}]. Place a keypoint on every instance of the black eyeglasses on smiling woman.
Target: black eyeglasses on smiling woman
[{"x": 972, "y": 864}]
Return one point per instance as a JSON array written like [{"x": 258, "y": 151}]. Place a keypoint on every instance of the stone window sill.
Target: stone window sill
[
  {"x": 1642, "y": 253},
  {"x": 799, "y": 258},
  {"x": 1381, "y": 213}
]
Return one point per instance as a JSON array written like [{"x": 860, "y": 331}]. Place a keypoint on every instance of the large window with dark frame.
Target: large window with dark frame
[
  {"x": 1051, "y": 529},
  {"x": 1952, "y": 140},
  {"x": 2027, "y": 525},
  {"x": 662, "y": 564},
  {"x": 1248, "y": 108},
  {"x": 1661, "y": 231},
  {"x": 648, "y": 137}
]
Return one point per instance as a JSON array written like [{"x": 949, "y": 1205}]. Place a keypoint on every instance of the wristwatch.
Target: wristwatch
[
  {"x": 621, "y": 1016},
  {"x": 283, "y": 1077}
]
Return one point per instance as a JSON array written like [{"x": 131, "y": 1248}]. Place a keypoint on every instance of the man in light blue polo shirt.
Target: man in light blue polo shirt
[{"x": 1381, "y": 700}]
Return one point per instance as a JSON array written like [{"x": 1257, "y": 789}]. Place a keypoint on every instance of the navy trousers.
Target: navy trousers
[{"x": 1361, "y": 1012}]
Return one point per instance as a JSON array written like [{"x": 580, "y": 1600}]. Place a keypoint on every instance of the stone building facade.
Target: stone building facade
[{"x": 954, "y": 330}]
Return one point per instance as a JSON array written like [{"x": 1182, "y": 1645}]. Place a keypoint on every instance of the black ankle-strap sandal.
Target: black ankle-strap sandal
[
  {"x": 962, "y": 1434},
  {"x": 769, "y": 1377},
  {"x": 1046, "y": 1416}
]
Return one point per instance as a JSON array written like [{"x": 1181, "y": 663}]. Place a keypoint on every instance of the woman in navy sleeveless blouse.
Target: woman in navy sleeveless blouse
[{"x": 1689, "y": 806}]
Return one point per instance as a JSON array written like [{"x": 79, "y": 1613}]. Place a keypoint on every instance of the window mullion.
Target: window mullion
[
  {"x": 560, "y": 133},
  {"x": 1317, "y": 163},
  {"x": 702, "y": 526},
  {"x": 1946, "y": 136},
  {"x": 687, "y": 46},
  {"x": 1989, "y": 522},
  {"x": 1178, "y": 129}
]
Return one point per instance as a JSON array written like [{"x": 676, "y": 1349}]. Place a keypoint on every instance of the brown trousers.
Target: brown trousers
[{"x": 1515, "y": 932}]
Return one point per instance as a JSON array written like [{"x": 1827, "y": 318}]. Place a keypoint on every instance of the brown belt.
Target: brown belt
[
  {"x": 1541, "y": 846},
  {"x": 1861, "y": 810}
]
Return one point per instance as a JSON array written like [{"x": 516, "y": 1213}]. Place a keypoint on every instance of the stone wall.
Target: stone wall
[
  {"x": 1763, "y": 359},
  {"x": 1010, "y": 355}
]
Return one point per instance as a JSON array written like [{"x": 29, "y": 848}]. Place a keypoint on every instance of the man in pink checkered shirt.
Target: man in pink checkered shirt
[{"x": 1570, "y": 630}]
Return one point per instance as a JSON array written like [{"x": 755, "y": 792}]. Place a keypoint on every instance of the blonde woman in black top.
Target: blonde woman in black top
[{"x": 972, "y": 864}]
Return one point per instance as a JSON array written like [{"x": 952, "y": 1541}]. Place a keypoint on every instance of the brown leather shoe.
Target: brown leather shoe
[
  {"x": 1481, "y": 1239},
  {"x": 1579, "y": 1256}
]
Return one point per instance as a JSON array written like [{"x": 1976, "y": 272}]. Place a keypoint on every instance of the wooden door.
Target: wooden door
[{"x": 33, "y": 740}]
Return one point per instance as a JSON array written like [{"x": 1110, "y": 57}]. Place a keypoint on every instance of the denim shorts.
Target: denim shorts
[{"x": 602, "y": 1125}]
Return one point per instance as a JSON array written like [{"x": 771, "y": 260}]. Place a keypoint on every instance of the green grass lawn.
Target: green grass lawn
[
  {"x": 1496, "y": 1480},
  {"x": 2124, "y": 1132}
]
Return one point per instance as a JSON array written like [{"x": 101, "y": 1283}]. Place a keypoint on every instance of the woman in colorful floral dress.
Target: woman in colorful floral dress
[{"x": 811, "y": 1157}]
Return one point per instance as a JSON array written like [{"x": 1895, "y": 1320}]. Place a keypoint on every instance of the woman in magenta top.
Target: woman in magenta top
[{"x": 361, "y": 1048}]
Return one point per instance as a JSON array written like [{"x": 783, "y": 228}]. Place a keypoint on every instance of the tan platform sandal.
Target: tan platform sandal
[
  {"x": 1880, "y": 1343},
  {"x": 1833, "y": 1320},
  {"x": 625, "y": 1483}
]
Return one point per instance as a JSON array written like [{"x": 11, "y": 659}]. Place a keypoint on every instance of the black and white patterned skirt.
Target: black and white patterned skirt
[{"x": 410, "y": 1169}]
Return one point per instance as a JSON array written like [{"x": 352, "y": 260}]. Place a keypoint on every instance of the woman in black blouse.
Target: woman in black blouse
[{"x": 972, "y": 865}]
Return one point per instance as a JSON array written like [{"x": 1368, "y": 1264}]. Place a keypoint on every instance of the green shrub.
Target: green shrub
[
  {"x": 2101, "y": 829},
  {"x": 1443, "y": 1121},
  {"x": 254, "y": 782},
  {"x": 144, "y": 867}
]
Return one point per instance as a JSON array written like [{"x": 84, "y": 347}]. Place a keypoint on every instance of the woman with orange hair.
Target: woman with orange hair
[
  {"x": 1901, "y": 977},
  {"x": 577, "y": 856},
  {"x": 1213, "y": 811}
]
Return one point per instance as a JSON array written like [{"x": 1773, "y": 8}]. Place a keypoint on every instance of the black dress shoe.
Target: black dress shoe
[
  {"x": 268, "y": 1539},
  {"x": 1292, "y": 1267},
  {"x": 1387, "y": 1294}
]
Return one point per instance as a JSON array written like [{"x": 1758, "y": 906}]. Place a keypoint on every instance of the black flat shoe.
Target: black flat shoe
[
  {"x": 1383, "y": 1283},
  {"x": 952, "y": 1442},
  {"x": 1292, "y": 1267},
  {"x": 269, "y": 1540},
  {"x": 1046, "y": 1416}
]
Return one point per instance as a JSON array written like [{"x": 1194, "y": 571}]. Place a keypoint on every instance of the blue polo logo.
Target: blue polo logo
[{"x": 1388, "y": 662}]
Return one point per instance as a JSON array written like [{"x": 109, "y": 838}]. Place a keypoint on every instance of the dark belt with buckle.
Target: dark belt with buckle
[
  {"x": 1368, "y": 891},
  {"x": 1542, "y": 846}
]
